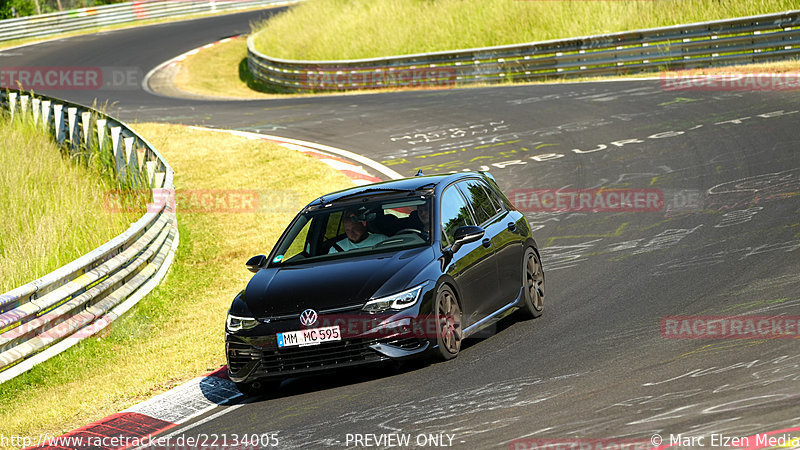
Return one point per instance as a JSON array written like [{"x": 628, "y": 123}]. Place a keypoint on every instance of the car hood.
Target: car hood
[{"x": 333, "y": 284}]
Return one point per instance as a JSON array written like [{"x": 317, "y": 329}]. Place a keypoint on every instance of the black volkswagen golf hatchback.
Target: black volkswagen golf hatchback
[{"x": 387, "y": 271}]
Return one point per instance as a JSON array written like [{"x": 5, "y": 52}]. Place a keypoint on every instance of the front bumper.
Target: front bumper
[{"x": 260, "y": 358}]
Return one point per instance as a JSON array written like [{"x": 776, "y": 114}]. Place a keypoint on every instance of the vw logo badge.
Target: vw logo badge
[{"x": 308, "y": 317}]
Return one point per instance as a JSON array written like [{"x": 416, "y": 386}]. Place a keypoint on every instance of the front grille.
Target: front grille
[
  {"x": 272, "y": 361},
  {"x": 328, "y": 355},
  {"x": 276, "y": 317},
  {"x": 405, "y": 344},
  {"x": 239, "y": 354}
]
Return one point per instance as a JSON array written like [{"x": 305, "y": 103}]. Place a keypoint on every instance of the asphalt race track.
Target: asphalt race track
[{"x": 596, "y": 365}]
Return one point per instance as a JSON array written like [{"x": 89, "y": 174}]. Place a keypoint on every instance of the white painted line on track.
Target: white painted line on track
[
  {"x": 314, "y": 146},
  {"x": 200, "y": 422},
  {"x": 189, "y": 400}
]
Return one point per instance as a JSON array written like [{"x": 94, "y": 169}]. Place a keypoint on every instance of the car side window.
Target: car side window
[
  {"x": 300, "y": 243},
  {"x": 478, "y": 199},
  {"x": 334, "y": 227},
  {"x": 497, "y": 195},
  {"x": 455, "y": 213},
  {"x": 497, "y": 204}
]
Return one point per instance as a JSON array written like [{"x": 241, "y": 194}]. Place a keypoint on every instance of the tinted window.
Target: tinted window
[
  {"x": 387, "y": 223},
  {"x": 496, "y": 202},
  {"x": 478, "y": 199},
  {"x": 497, "y": 196},
  {"x": 455, "y": 214}
]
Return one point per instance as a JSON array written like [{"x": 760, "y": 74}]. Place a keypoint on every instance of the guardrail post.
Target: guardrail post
[
  {"x": 35, "y": 105},
  {"x": 131, "y": 167},
  {"x": 23, "y": 104},
  {"x": 46, "y": 113},
  {"x": 58, "y": 123},
  {"x": 72, "y": 130},
  {"x": 151, "y": 170},
  {"x": 12, "y": 103},
  {"x": 86, "y": 127},
  {"x": 116, "y": 149},
  {"x": 159, "y": 180},
  {"x": 100, "y": 124}
]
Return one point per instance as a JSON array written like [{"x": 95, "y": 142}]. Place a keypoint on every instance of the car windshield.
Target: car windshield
[{"x": 386, "y": 224}]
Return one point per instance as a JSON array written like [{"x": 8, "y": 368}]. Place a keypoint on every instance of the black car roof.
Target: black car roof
[{"x": 405, "y": 184}]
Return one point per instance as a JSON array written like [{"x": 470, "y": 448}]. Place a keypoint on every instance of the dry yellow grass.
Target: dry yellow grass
[
  {"x": 175, "y": 333},
  {"x": 220, "y": 70}
]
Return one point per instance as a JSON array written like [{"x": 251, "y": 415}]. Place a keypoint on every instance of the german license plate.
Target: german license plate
[{"x": 312, "y": 336}]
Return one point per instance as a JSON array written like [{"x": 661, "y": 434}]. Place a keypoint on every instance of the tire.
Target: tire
[
  {"x": 532, "y": 284},
  {"x": 448, "y": 323}
]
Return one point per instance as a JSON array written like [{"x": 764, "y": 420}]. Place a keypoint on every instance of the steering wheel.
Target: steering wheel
[
  {"x": 409, "y": 229},
  {"x": 390, "y": 241}
]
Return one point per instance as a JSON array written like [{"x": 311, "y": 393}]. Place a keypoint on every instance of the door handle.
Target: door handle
[{"x": 487, "y": 242}]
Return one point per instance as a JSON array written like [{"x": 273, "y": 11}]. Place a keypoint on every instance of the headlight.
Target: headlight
[
  {"x": 236, "y": 323},
  {"x": 400, "y": 300}
]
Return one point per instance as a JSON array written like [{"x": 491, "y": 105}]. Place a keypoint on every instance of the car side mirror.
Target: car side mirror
[
  {"x": 465, "y": 235},
  {"x": 255, "y": 263}
]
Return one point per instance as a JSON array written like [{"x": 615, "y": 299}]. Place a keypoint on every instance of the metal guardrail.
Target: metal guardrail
[
  {"x": 93, "y": 17},
  {"x": 741, "y": 40},
  {"x": 48, "y": 315}
]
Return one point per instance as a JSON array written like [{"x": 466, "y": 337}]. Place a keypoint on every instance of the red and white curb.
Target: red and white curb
[
  {"x": 183, "y": 56},
  {"x": 178, "y": 59},
  {"x": 350, "y": 164},
  {"x": 138, "y": 425}
]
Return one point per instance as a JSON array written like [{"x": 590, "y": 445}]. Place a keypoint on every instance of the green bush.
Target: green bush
[{"x": 20, "y": 8}]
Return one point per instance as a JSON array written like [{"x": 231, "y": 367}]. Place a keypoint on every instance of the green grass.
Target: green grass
[
  {"x": 175, "y": 333},
  {"x": 221, "y": 71},
  {"x": 53, "y": 208},
  {"x": 352, "y": 29}
]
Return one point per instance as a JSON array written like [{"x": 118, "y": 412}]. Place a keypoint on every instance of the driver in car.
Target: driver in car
[
  {"x": 419, "y": 219},
  {"x": 424, "y": 218},
  {"x": 357, "y": 235}
]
